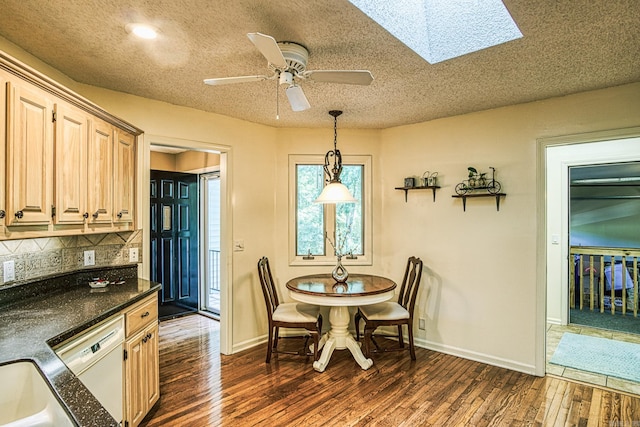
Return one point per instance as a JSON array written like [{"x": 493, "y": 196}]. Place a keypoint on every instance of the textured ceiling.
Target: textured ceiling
[{"x": 568, "y": 46}]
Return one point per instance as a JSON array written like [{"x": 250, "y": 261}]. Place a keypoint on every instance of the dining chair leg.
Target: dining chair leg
[
  {"x": 269, "y": 344},
  {"x": 276, "y": 337},
  {"x": 316, "y": 342},
  {"x": 356, "y": 320},
  {"x": 368, "y": 337},
  {"x": 400, "y": 337},
  {"x": 412, "y": 349}
]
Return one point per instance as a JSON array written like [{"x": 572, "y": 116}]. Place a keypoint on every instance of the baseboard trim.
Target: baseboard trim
[
  {"x": 477, "y": 357},
  {"x": 245, "y": 345},
  {"x": 429, "y": 345}
]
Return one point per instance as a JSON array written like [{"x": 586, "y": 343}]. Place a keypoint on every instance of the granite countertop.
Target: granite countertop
[{"x": 48, "y": 315}]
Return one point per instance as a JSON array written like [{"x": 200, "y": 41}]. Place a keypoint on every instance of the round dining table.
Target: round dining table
[{"x": 323, "y": 290}]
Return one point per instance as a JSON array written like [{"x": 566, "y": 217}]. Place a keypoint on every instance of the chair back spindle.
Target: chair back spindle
[
  {"x": 268, "y": 287},
  {"x": 410, "y": 284}
]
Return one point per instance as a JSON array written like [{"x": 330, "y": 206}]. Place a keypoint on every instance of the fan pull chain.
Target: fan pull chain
[{"x": 277, "y": 102}]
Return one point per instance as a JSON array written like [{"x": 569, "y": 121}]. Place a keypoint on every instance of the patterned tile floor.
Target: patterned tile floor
[{"x": 554, "y": 334}]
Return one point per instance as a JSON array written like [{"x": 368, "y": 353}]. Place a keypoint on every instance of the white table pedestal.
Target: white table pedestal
[{"x": 339, "y": 338}]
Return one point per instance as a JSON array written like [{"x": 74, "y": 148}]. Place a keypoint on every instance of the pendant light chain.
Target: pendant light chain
[{"x": 335, "y": 191}]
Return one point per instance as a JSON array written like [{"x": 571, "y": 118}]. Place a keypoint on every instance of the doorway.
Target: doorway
[
  {"x": 195, "y": 157},
  {"x": 210, "y": 220},
  {"x": 558, "y": 155}
]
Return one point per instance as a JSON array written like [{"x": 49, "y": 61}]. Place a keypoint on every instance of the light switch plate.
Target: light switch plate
[
  {"x": 89, "y": 257},
  {"x": 238, "y": 245},
  {"x": 9, "y": 270},
  {"x": 133, "y": 254}
]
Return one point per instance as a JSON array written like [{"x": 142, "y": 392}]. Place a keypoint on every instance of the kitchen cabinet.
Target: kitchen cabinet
[
  {"x": 71, "y": 132},
  {"x": 29, "y": 152},
  {"x": 100, "y": 172},
  {"x": 3, "y": 133},
  {"x": 141, "y": 365},
  {"x": 124, "y": 178},
  {"x": 70, "y": 165}
]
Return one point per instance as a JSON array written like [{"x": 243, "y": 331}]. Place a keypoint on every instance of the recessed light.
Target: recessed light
[{"x": 143, "y": 31}]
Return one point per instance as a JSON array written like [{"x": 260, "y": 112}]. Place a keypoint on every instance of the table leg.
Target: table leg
[{"x": 340, "y": 339}]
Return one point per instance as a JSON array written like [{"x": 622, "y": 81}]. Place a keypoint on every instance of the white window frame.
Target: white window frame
[{"x": 329, "y": 212}]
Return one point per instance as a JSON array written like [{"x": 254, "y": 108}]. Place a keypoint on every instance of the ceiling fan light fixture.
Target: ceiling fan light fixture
[
  {"x": 285, "y": 78},
  {"x": 335, "y": 191}
]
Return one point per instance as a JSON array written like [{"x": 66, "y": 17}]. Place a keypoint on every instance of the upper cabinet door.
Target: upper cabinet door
[
  {"x": 71, "y": 131},
  {"x": 100, "y": 172},
  {"x": 29, "y": 156},
  {"x": 124, "y": 177}
]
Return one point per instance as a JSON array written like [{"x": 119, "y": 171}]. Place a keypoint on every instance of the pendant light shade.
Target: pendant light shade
[{"x": 335, "y": 191}]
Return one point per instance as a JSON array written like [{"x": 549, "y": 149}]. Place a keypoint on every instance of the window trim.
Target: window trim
[{"x": 329, "y": 211}]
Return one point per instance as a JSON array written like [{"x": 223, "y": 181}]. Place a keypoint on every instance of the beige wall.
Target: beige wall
[
  {"x": 196, "y": 161},
  {"x": 162, "y": 161},
  {"x": 187, "y": 161},
  {"x": 479, "y": 292}
]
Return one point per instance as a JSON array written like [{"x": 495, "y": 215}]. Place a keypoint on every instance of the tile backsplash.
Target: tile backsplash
[{"x": 40, "y": 257}]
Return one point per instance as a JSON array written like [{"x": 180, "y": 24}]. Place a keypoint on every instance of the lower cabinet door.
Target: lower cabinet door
[
  {"x": 135, "y": 390},
  {"x": 152, "y": 362}
]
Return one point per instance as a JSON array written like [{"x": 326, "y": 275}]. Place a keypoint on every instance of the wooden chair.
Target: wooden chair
[
  {"x": 287, "y": 315},
  {"x": 392, "y": 313}
]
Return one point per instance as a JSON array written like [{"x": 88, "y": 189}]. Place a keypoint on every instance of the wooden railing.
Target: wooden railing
[
  {"x": 596, "y": 272},
  {"x": 213, "y": 268}
]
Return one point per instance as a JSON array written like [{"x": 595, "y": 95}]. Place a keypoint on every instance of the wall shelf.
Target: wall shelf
[
  {"x": 426, "y": 187},
  {"x": 464, "y": 199}
]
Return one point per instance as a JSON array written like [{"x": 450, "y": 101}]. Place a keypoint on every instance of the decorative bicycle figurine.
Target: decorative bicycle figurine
[{"x": 479, "y": 181}]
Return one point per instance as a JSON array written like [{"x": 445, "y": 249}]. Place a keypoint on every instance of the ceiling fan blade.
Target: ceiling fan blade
[
  {"x": 268, "y": 46},
  {"x": 233, "y": 80},
  {"x": 297, "y": 99},
  {"x": 357, "y": 77}
]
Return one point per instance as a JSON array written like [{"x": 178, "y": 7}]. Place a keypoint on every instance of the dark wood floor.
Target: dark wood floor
[{"x": 199, "y": 387}]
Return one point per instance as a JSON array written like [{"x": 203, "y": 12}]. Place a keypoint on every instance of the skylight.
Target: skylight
[{"x": 438, "y": 30}]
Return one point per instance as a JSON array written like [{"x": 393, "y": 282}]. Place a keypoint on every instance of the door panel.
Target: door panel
[{"x": 29, "y": 156}]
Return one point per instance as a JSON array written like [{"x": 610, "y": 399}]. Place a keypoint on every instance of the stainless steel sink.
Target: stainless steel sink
[{"x": 27, "y": 400}]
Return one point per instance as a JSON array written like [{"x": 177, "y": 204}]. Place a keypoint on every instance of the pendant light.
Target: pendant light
[{"x": 335, "y": 191}]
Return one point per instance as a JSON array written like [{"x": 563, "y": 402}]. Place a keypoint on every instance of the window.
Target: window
[
  {"x": 439, "y": 30},
  {"x": 348, "y": 225}
]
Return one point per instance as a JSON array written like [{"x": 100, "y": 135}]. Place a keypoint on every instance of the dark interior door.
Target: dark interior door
[{"x": 174, "y": 241}]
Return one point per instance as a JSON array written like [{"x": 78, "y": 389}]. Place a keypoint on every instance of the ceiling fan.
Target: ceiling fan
[{"x": 288, "y": 64}]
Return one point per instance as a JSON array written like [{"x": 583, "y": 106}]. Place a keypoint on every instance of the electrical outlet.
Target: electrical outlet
[
  {"x": 9, "y": 268},
  {"x": 89, "y": 257},
  {"x": 422, "y": 324},
  {"x": 133, "y": 254}
]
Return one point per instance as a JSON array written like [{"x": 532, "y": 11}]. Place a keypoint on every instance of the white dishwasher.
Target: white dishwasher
[{"x": 96, "y": 358}]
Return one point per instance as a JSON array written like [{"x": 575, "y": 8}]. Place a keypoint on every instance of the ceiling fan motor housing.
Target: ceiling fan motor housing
[{"x": 295, "y": 55}]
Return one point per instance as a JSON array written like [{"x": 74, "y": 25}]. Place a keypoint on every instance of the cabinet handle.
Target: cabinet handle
[
  {"x": 145, "y": 339},
  {"x": 145, "y": 314},
  {"x": 2, "y": 214},
  {"x": 149, "y": 336},
  {"x": 120, "y": 214},
  {"x": 95, "y": 215},
  {"x": 19, "y": 214},
  {"x": 85, "y": 215}
]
